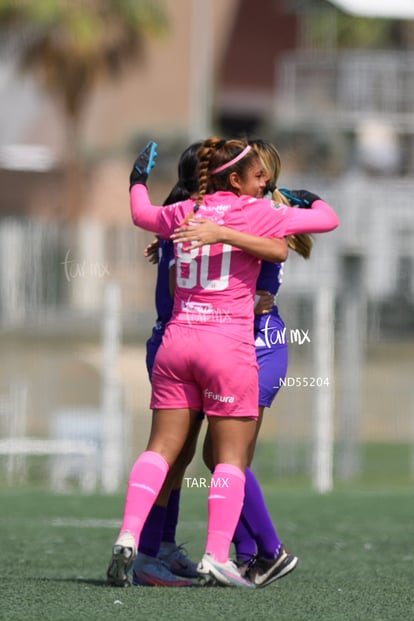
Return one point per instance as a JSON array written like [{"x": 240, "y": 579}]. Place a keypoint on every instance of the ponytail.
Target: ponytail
[
  {"x": 270, "y": 158},
  {"x": 302, "y": 243}
]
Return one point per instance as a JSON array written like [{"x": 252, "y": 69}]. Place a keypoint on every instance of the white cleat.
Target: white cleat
[
  {"x": 212, "y": 572},
  {"x": 123, "y": 555}
]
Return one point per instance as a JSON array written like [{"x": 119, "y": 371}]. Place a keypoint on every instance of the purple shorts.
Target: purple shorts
[{"x": 272, "y": 357}]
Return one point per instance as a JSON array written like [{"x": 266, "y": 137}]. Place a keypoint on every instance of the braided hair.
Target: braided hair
[{"x": 214, "y": 154}]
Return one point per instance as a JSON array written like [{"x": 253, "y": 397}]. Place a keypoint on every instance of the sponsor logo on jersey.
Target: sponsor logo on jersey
[
  {"x": 275, "y": 205},
  {"x": 215, "y": 212}
]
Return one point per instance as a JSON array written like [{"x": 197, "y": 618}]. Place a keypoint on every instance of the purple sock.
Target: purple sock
[
  {"x": 257, "y": 519},
  {"x": 171, "y": 519},
  {"x": 244, "y": 542},
  {"x": 151, "y": 535}
]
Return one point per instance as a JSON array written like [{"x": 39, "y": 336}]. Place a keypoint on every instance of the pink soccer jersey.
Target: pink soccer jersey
[{"x": 215, "y": 284}]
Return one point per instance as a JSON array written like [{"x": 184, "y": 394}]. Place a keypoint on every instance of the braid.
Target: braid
[
  {"x": 204, "y": 156},
  {"x": 217, "y": 153}
]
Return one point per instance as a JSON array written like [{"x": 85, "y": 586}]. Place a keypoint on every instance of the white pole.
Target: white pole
[
  {"x": 85, "y": 267},
  {"x": 13, "y": 273},
  {"x": 201, "y": 70},
  {"x": 353, "y": 309},
  {"x": 112, "y": 432},
  {"x": 324, "y": 309},
  {"x": 17, "y": 402}
]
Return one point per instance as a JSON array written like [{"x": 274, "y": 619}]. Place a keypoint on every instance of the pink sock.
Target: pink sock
[
  {"x": 145, "y": 481},
  {"x": 225, "y": 502}
]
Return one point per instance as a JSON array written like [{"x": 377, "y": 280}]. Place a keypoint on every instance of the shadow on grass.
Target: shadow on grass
[
  {"x": 88, "y": 581},
  {"x": 103, "y": 583}
]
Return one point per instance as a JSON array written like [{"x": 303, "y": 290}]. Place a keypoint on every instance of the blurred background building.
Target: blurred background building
[{"x": 332, "y": 85}]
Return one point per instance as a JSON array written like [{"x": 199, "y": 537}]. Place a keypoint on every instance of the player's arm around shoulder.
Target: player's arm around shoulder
[
  {"x": 203, "y": 232},
  {"x": 321, "y": 217},
  {"x": 318, "y": 218},
  {"x": 271, "y": 249}
]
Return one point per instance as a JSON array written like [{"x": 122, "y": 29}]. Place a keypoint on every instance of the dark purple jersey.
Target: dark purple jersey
[
  {"x": 163, "y": 300},
  {"x": 270, "y": 277}
]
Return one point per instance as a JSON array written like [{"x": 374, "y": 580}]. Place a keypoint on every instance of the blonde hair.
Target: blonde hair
[{"x": 270, "y": 158}]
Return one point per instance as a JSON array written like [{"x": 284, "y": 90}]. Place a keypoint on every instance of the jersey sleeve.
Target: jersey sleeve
[
  {"x": 280, "y": 220},
  {"x": 320, "y": 218},
  {"x": 150, "y": 217}
]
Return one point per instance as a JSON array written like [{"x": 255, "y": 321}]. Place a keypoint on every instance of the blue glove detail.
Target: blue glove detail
[
  {"x": 299, "y": 198},
  {"x": 143, "y": 165}
]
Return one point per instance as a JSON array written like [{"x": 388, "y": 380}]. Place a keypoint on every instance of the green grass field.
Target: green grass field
[{"x": 356, "y": 551}]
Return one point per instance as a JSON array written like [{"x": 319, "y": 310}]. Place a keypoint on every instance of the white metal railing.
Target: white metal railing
[
  {"x": 374, "y": 213},
  {"x": 343, "y": 88}
]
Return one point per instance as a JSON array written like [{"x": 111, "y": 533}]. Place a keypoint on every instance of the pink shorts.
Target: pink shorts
[{"x": 205, "y": 370}]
